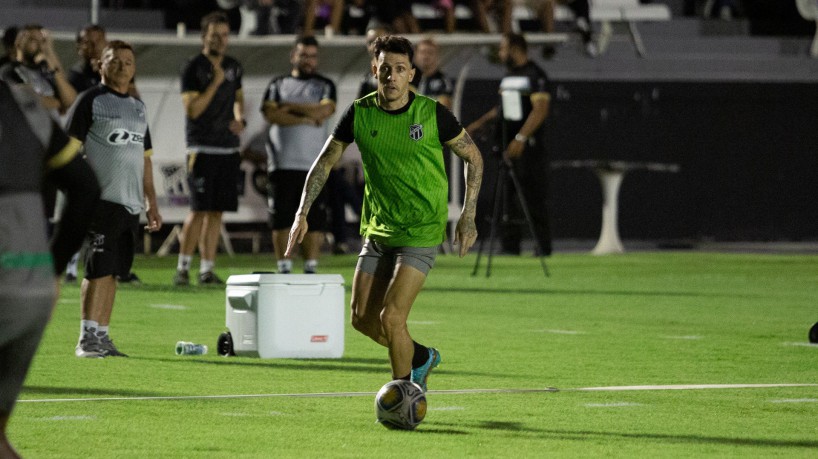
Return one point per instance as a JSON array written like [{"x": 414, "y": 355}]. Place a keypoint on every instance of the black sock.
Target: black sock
[{"x": 420, "y": 356}]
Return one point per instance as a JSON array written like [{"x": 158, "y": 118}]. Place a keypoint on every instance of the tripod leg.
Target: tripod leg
[
  {"x": 527, "y": 213},
  {"x": 495, "y": 216}
]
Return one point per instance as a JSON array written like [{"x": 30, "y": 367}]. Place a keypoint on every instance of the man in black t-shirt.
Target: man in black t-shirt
[
  {"x": 90, "y": 41},
  {"x": 214, "y": 109},
  {"x": 525, "y": 102}
]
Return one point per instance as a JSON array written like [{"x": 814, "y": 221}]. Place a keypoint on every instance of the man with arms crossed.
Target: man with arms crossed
[
  {"x": 297, "y": 106},
  {"x": 113, "y": 127},
  {"x": 214, "y": 107},
  {"x": 401, "y": 136}
]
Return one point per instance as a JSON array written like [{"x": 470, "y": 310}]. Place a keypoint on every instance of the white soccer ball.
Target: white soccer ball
[{"x": 400, "y": 404}]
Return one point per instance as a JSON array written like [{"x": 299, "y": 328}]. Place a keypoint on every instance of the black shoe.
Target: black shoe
[
  {"x": 70, "y": 278},
  {"x": 131, "y": 278},
  {"x": 181, "y": 279},
  {"x": 340, "y": 249},
  {"x": 210, "y": 278},
  {"x": 108, "y": 348}
]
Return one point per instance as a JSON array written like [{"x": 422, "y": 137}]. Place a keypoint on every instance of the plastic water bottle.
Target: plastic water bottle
[{"x": 188, "y": 348}]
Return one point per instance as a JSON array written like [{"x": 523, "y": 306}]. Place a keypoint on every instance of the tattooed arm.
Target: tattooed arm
[
  {"x": 466, "y": 231},
  {"x": 316, "y": 179}
]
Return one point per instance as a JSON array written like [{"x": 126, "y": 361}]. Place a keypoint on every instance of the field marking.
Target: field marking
[
  {"x": 250, "y": 415},
  {"x": 683, "y": 337},
  {"x": 439, "y": 392},
  {"x": 795, "y": 400},
  {"x": 170, "y": 307},
  {"x": 69, "y": 418},
  {"x": 801, "y": 344},
  {"x": 687, "y": 387},
  {"x": 447, "y": 408},
  {"x": 612, "y": 405},
  {"x": 561, "y": 332}
]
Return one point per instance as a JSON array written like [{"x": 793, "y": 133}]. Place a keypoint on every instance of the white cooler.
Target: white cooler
[{"x": 286, "y": 315}]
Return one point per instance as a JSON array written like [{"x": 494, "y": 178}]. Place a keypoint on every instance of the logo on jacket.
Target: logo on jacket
[
  {"x": 123, "y": 137},
  {"x": 416, "y": 132}
]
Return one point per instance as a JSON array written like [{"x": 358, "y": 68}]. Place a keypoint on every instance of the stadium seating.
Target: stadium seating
[{"x": 608, "y": 13}]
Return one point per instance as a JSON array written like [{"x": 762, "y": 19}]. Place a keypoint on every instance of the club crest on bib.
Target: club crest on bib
[{"x": 416, "y": 132}]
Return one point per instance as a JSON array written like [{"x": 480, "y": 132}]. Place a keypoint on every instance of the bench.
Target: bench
[{"x": 605, "y": 12}]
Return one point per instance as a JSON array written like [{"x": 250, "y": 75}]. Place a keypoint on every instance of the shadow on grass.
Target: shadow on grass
[
  {"x": 364, "y": 366},
  {"x": 54, "y": 390},
  {"x": 585, "y": 435},
  {"x": 375, "y": 366}
]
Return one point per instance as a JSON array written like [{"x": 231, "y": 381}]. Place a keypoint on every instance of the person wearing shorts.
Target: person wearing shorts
[
  {"x": 401, "y": 137},
  {"x": 113, "y": 127},
  {"x": 214, "y": 118},
  {"x": 33, "y": 146},
  {"x": 297, "y": 106}
]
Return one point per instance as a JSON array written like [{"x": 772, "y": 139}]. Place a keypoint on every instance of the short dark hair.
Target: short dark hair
[
  {"x": 306, "y": 40},
  {"x": 115, "y": 45},
  {"x": 393, "y": 44},
  {"x": 216, "y": 17},
  {"x": 516, "y": 40},
  {"x": 9, "y": 35},
  {"x": 34, "y": 27},
  {"x": 89, "y": 28}
]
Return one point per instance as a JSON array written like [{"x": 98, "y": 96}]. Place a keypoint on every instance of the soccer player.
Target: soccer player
[
  {"x": 401, "y": 136},
  {"x": 214, "y": 105},
  {"x": 297, "y": 106},
  {"x": 113, "y": 127},
  {"x": 32, "y": 145}
]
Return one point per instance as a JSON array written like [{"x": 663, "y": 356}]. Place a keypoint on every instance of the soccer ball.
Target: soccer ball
[{"x": 400, "y": 404}]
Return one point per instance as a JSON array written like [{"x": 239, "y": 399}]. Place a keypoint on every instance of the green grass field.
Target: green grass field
[{"x": 659, "y": 319}]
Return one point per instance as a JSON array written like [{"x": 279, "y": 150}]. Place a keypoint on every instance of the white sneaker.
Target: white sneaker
[{"x": 89, "y": 347}]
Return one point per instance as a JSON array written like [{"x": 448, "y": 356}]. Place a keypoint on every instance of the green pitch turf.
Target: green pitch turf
[{"x": 671, "y": 320}]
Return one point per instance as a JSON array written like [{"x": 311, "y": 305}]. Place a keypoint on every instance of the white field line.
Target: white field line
[
  {"x": 171, "y": 307},
  {"x": 612, "y": 405},
  {"x": 795, "y": 400},
  {"x": 438, "y": 392},
  {"x": 801, "y": 344},
  {"x": 561, "y": 332}
]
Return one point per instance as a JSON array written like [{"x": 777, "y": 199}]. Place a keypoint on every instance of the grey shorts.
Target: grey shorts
[
  {"x": 380, "y": 260},
  {"x": 26, "y": 289}
]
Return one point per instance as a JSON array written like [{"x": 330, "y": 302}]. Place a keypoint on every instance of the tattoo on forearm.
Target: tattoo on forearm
[
  {"x": 315, "y": 182},
  {"x": 465, "y": 148}
]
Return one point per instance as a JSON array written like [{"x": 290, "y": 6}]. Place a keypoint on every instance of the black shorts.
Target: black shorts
[
  {"x": 214, "y": 181},
  {"x": 287, "y": 186},
  {"x": 109, "y": 243}
]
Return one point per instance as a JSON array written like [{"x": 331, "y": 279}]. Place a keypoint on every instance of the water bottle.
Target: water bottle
[{"x": 188, "y": 348}]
